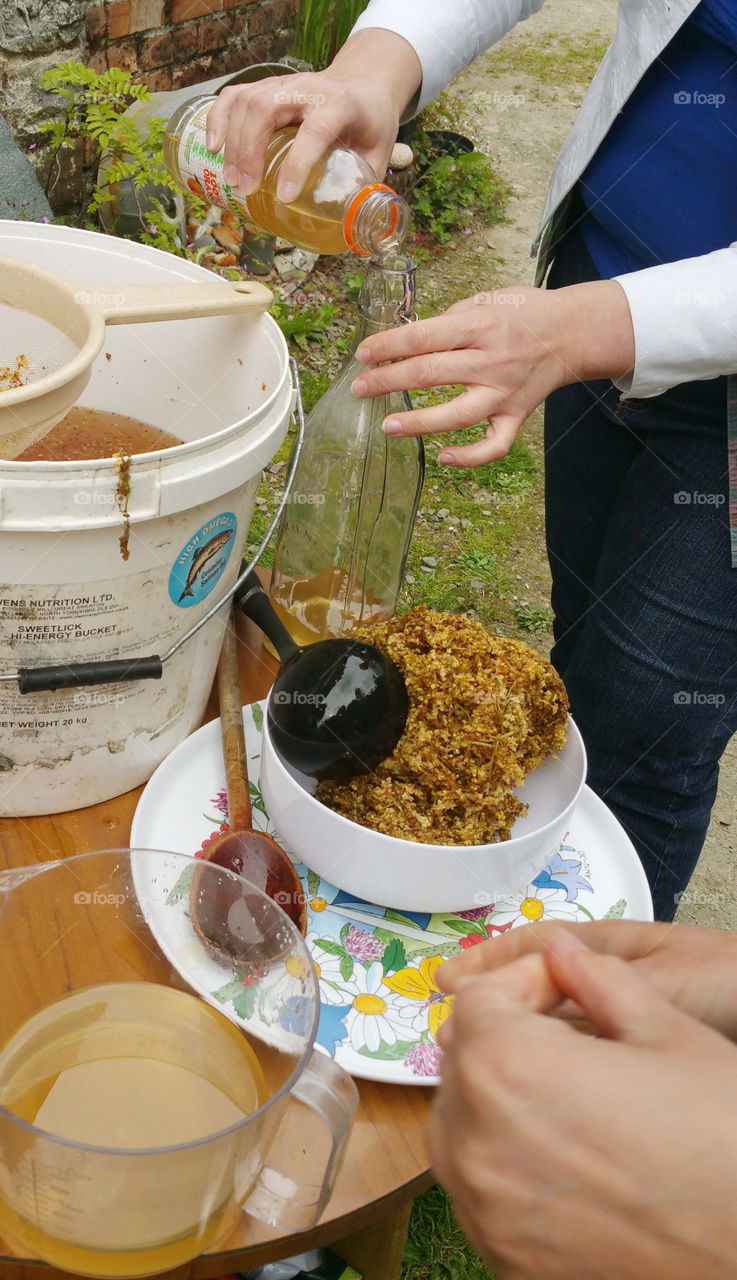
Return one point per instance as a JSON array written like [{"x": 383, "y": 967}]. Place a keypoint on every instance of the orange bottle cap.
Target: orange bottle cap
[{"x": 352, "y": 213}]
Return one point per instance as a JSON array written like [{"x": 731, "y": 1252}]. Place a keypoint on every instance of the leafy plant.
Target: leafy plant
[
  {"x": 478, "y": 562},
  {"x": 455, "y": 191},
  {"x": 93, "y": 111},
  {"x": 321, "y": 28},
  {"x": 304, "y": 325},
  {"x": 532, "y": 619}
]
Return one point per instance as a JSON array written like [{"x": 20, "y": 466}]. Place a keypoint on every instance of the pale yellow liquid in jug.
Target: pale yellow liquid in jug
[{"x": 124, "y": 1066}]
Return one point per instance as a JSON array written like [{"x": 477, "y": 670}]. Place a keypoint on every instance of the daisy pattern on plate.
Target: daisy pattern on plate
[
  {"x": 327, "y": 968},
  {"x": 530, "y": 905},
  {"x": 375, "y": 1015}
]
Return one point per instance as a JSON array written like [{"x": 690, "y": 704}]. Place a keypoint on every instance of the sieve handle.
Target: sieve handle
[
  {"x": 71, "y": 676},
  {"x": 139, "y": 303}
]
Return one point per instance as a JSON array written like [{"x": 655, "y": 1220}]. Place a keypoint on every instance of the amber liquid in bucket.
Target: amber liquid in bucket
[
  {"x": 96, "y": 433},
  {"x": 125, "y": 1065}
]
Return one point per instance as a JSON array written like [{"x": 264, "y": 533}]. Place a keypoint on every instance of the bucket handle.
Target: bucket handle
[{"x": 121, "y": 670}]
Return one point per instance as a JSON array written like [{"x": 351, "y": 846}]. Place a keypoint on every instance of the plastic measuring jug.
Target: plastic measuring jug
[{"x": 147, "y": 1079}]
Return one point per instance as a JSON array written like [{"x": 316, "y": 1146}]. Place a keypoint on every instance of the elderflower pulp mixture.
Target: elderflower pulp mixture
[{"x": 483, "y": 713}]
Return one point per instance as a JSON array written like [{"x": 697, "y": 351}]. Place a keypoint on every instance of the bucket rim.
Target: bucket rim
[{"x": 68, "y": 466}]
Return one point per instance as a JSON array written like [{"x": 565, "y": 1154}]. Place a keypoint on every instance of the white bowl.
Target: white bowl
[{"x": 424, "y": 877}]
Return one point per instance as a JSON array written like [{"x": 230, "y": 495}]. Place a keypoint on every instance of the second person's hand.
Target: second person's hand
[
  {"x": 696, "y": 969},
  {"x": 510, "y": 349}
]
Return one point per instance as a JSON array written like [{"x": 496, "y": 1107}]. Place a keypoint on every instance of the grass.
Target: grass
[
  {"x": 436, "y": 1247},
  {"x": 553, "y": 60}
]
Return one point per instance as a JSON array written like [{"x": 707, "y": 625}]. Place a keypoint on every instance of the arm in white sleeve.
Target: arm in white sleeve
[
  {"x": 446, "y": 35},
  {"x": 684, "y": 316}
]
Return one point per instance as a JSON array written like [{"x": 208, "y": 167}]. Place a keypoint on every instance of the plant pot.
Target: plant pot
[{"x": 444, "y": 142}]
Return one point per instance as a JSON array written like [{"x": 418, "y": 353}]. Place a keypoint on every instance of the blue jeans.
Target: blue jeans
[{"x": 645, "y": 600}]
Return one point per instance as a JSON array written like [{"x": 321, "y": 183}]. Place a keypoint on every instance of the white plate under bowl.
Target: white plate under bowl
[{"x": 365, "y": 950}]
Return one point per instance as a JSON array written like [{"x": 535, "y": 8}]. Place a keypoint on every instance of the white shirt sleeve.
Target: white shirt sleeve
[
  {"x": 684, "y": 316},
  {"x": 446, "y": 34}
]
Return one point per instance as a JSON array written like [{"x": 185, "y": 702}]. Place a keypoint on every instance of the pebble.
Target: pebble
[
  {"x": 725, "y": 822},
  {"x": 429, "y": 562},
  {"x": 401, "y": 156},
  {"x": 466, "y": 524},
  {"x": 410, "y": 578},
  {"x": 443, "y": 513},
  {"x": 477, "y": 584}
]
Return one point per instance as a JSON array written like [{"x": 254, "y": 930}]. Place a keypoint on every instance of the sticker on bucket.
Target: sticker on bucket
[{"x": 200, "y": 564}]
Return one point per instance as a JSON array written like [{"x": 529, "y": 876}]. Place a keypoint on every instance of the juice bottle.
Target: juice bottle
[{"x": 342, "y": 205}]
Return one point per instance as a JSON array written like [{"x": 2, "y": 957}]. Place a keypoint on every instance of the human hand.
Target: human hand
[
  {"x": 359, "y": 100},
  {"x": 696, "y": 969},
  {"x": 568, "y": 1155},
  {"x": 510, "y": 348}
]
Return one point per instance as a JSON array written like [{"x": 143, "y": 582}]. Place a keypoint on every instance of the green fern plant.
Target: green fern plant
[{"x": 93, "y": 106}]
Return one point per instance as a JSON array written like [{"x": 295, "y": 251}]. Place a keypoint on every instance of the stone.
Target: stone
[
  {"x": 401, "y": 156},
  {"x": 27, "y": 106},
  {"x": 21, "y": 195},
  {"x": 443, "y": 513},
  {"x": 429, "y": 562},
  {"x": 36, "y": 26}
]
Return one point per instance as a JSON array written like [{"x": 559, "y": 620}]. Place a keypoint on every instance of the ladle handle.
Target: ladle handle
[
  {"x": 253, "y": 601},
  {"x": 233, "y": 736},
  {"x": 138, "y": 303}
]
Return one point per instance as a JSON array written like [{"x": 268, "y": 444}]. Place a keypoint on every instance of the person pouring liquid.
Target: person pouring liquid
[
  {"x": 578, "y": 1157},
  {"x": 623, "y": 347}
]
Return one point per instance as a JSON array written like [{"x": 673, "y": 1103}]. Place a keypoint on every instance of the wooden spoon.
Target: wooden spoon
[{"x": 252, "y": 854}]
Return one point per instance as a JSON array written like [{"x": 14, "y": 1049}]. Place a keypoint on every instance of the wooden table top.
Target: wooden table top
[{"x": 385, "y": 1164}]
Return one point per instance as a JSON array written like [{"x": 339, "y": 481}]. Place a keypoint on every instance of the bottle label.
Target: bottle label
[{"x": 202, "y": 171}]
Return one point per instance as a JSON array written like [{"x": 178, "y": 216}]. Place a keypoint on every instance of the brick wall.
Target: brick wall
[{"x": 165, "y": 43}]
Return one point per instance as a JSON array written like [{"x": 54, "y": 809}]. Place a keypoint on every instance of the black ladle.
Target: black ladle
[{"x": 337, "y": 707}]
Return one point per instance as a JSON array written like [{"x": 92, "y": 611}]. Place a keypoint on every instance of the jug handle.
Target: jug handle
[{"x": 277, "y": 1198}]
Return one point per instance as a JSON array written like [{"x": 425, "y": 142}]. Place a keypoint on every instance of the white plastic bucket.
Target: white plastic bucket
[{"x": 68, "y": 595}]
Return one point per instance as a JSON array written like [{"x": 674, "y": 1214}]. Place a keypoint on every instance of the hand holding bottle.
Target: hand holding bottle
[
  {"x": 358, "y": 100},
  {"x": 510, "y": 348}
]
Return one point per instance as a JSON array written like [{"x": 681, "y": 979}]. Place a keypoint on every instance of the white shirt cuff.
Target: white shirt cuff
[{"x": 684, "y": 316}]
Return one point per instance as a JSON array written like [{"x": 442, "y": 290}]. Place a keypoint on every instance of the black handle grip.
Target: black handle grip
[
  {"x": 45, "y": 679},
  {"x": 253, "y": 601}
]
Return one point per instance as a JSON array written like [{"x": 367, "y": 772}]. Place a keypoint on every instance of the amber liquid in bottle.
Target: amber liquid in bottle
[{"x": 341, "y": 206}]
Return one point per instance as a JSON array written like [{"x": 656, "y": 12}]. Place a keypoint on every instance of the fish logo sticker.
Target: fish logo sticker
[{"x": 201, "y": 563}]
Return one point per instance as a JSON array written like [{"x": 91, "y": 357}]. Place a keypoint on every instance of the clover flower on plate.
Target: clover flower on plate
[
  {"x": 424, "y": 1059},
  {"x": 531, "y": 905},
  {"x": 375, "y": 1015}
]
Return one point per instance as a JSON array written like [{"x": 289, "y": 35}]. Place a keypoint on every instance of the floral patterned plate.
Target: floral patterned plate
[{"x": 381, "y": 1006}]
